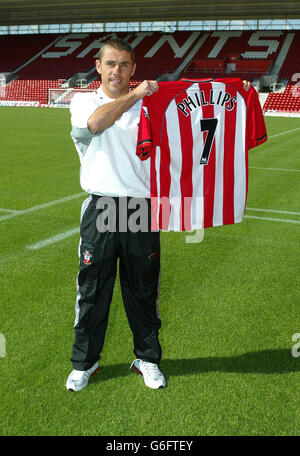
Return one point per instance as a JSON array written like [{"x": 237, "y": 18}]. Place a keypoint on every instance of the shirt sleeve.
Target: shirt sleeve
[
  {"x": 82, "y": 107},
  {"x": 144, "y": 140},
  {"x": 256, "y": 128}
]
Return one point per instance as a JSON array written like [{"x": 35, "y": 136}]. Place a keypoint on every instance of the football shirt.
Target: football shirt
[{"x": 197, "y": 135}]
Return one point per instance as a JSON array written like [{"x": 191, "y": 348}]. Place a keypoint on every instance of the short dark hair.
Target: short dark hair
[{"x": 120, "y": 45}]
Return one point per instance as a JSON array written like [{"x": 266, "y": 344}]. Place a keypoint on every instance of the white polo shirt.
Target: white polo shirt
[{"x": 109, "y": 165}]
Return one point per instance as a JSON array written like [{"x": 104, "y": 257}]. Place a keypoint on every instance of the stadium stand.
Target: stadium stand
[
  {"x": 34, "y": 64},
  {"x": 288, "y": 100},
  {"x": 237, "y": 52}
]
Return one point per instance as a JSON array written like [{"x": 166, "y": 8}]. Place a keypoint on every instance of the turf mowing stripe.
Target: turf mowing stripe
[
  {"x": 276, "y": 169},
  {"x": 284, "y": 133},
  {"x": 272, "y": 219},
  {"x": 53, "y": 239},
  {"x": 41, "y": 206},
  {"x": 256, "y": 209}
]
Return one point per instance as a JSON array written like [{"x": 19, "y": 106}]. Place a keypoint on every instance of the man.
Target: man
[{"x": 104, "y": 130}]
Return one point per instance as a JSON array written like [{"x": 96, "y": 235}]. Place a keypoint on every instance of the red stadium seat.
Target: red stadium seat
[{"x": 46, "y": 60}]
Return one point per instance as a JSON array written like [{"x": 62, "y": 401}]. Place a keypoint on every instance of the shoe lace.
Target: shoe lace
[
  {"x": 151, "y": 369},
  {"x": 80, "y": 375}
]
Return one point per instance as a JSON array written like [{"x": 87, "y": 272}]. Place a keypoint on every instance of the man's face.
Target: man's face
[{"x": 116, "y": 69}]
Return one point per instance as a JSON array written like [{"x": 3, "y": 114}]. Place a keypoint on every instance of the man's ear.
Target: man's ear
[
  {"x": 133, "y": 70},
  {"x": 98, "y": 66}
]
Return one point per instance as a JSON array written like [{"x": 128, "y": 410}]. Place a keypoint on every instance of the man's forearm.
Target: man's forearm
[{"x": 106, "y": 115}]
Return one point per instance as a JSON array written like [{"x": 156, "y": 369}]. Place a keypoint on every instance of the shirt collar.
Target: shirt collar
[{"x": 102, "y": 95}]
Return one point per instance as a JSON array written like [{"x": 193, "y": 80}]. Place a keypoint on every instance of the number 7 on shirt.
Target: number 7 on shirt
[{"x": 210, "y": 126}]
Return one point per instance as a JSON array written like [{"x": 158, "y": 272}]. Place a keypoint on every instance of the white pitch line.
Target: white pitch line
[
  {"x": 41, "y": 206},
  {"x": 279, "y": 169},
  {"x": 284, "y": 133},
  {"x": 256, "y": 209},
  {"x": 53, "y": 239},
  {"x": 276, "y": 169},
  {"x": 271, "y": 219},
  {"x": 66, "y": 234},
  {"x": 11, "y": 211}
]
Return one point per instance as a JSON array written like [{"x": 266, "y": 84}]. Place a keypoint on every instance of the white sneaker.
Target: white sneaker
[
  {"x": 77, "y": 380},
  {"x": 153, "y": 377}
]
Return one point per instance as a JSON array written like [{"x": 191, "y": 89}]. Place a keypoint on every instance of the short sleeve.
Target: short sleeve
[
  {"x": 82, "y": 107},
  {"x": 256, "y": 128}
]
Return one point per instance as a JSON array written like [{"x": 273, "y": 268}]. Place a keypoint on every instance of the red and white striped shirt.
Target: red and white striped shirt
[{"x": 197, "y": 135}]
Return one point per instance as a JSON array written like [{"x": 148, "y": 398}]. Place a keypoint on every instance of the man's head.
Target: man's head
[{"x": 116, "y": 65}]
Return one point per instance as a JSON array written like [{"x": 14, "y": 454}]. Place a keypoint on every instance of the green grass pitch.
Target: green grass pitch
[{"x": 229, "y": 305}]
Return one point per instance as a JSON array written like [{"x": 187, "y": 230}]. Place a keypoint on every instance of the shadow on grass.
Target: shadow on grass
[{"x": 262, "y": 362}]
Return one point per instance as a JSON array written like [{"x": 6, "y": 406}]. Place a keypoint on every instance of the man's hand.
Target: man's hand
[
  {"x": 247, "y": 85},
  {"x": 106, "y": 115},
  {"x": 146, "y": 88}
]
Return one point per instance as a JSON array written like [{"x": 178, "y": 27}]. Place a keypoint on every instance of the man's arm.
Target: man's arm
[{"x": 106, "y": 115}]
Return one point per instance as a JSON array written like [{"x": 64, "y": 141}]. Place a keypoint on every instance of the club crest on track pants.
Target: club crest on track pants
[{"x": 138, "y": 254}]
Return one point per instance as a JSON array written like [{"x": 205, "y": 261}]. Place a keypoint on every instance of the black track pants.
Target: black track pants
[{"x": 139, "y": 270}]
